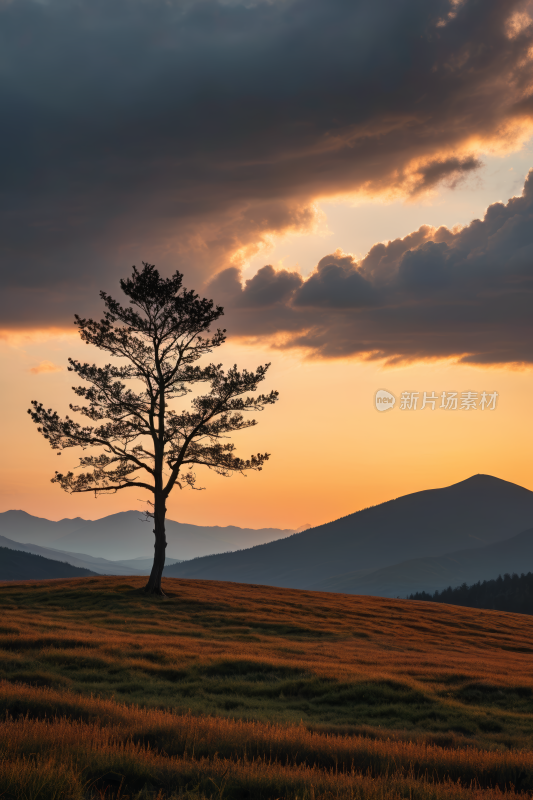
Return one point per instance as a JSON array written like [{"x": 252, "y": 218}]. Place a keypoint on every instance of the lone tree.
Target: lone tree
[{"x": 144, "y": 443}]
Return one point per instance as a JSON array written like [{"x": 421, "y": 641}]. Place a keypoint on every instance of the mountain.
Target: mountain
[
  {"x": 471, "y": 514},
  {"x": 101, "y": 566},
  {"x": 22, "y": 527},
  {"x": 142, "y": 565},
  {"x": 512, "y": 555},
  {"x": 126, "y": 535},
  {"x": 16, "y": 565}
]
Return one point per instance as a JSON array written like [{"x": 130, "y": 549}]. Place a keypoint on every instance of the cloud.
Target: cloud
[
  {"x": 337, "y": 283},
  {"x": 202, "y": 126},
  {"x": 268, "y": 287},
  {"x": 45, "y": 366},
  {"x": 19, "y": 337},
  {"x": 463, "y": 294},
  {"x": 452, "y": 170}
]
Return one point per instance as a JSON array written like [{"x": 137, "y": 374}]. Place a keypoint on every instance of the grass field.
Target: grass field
[{"x": 234, "y": 691}]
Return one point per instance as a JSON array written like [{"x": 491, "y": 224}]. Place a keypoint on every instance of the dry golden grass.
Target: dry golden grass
[{"x": 229, "y": 690}]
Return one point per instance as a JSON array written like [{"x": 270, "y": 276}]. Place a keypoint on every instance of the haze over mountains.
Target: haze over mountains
[
  {"x": 17, "y": 565},
  {"x": 473, "y": 530},
  {"x": 100, "y": 566},
  {"x": 373, "y": 551},
  {"x": 127, "y": 536},
  {"x": 439, "y": 572}
]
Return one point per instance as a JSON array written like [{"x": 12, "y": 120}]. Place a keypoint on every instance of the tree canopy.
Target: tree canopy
[{"x": 130, "y": 411}]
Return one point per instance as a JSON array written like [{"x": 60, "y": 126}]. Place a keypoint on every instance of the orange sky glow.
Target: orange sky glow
[{"x": 332, "y": 452}]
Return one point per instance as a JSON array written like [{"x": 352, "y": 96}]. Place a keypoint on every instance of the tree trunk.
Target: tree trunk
[{"x": 154, "y": 581}]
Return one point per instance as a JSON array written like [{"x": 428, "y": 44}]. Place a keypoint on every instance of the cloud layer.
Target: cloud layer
[
  {"x": 45, "y": 366},
  {"x": 183, "y": 131},
  {"x": 465, "y": 294}
]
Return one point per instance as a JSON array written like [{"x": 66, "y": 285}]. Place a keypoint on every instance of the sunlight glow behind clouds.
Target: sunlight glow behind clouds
[
  {"x": 255, "y": 112},
  {"x": 436, "y": 293},
  {"x": 204, "y": 131}
]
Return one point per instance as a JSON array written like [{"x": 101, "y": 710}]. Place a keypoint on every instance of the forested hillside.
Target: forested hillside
[
  {"x": 510, "y": 593},
  {"x": 18, "y": 566}
]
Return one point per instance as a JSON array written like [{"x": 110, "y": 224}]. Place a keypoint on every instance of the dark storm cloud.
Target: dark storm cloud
[
  {"x": 451, "y": 169},
  {"x": 269, "y": 286},
  {"x": 335, "y": 284},
  {"x": 182, "y": 131},
  {"x": 464, "y": 294}
]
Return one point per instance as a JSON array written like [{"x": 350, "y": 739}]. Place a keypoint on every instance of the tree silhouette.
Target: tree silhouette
[{"x": 144, "y": 442}]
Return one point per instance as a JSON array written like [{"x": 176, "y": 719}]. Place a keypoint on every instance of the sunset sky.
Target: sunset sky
[{"x": 348, "y": 179}]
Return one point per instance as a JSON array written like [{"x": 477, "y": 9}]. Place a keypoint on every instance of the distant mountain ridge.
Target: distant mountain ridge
[
  {"x": 126, "y": 536},
  {"x": 470, "y": 531},
  {"x": 100, "y": 566},
  {"x": 16, "y": 565},
  {"x": 439, "y": 572},
  {"x": 19, "y": 526},
  {"x": 471, "y": 514}
]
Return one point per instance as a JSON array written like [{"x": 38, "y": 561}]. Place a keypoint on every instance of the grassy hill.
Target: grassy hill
[
  {"x": 236, "y": 691},
  {"x": 16, "y": 565}
]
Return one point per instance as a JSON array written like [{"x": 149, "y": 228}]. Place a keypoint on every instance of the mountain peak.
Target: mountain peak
[
  {"x": 483, "y": 477},
  {"x": 17, "y": 511},
  {"x": 482, "y": 480}
]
